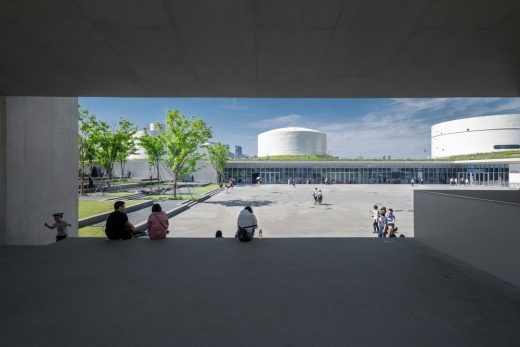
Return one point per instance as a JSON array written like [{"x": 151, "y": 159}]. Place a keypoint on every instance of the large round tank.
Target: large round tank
[
  {"x": 483, "y": 134},
  {"x": 292, "y": 141}
]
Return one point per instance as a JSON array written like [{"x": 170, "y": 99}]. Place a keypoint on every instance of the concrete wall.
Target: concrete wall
[
  {"x": 478, "y": 228},
  {"x": 3, "y": 168},
  {"x": 204, "y": 172},
  {"x": 40, "y": 170}
]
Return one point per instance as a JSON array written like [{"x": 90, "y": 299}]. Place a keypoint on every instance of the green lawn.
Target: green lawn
[
  {"x": 484, "y": 156},
  {"x": 97, "y": 231},
  {"x": 197, "y": 193},
  {"x": 304, "y": 157},
  {"x": 116, "y": 194},
  {"x": 92, "y": 207}
]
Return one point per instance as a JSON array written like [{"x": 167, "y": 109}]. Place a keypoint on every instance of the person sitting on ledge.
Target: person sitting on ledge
[
  {"x": 157, "y": 223},
  {"x": 118, "y": 227},
  {"x": 246, "y": 224}
]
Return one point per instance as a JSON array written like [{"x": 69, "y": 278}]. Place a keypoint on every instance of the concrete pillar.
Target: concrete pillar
[{"x": 38, "y": 167}]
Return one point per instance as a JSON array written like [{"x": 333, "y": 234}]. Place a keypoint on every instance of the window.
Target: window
[{"x": 506, "y": 146}]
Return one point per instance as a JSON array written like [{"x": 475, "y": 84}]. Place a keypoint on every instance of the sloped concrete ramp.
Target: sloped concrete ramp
[{"x": 271, "y": 292}]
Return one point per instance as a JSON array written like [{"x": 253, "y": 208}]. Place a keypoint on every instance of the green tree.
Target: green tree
[
  {"x": 88, "y": 126},
  {"x": 218, "y": 156},
  {"x": 154, "y": 148},
  {"x": 182, "y": 138},
  {"x": 109, "y": 146},
  {"x": 125, "y": 134}
]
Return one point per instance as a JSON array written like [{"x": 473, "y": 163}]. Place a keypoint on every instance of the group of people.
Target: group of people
[
  {"x": 384, "y": 222},
  {"x": 118, "y": 227},
  {"x": 318, "y": 196},
  {"x": 456, "y": 182}
]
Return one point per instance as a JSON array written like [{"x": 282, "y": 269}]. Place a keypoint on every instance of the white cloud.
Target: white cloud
[
  {"x": 402, "y": 128},
  {"x": 233, "y": 105},
  {"x": 276, "y": 122}
]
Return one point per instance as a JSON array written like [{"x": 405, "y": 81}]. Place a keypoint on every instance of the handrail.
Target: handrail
[{"x": 469, "y": 197}]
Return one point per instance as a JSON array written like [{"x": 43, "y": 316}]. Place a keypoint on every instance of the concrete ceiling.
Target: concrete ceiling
[{"x": 264, "y": 48}]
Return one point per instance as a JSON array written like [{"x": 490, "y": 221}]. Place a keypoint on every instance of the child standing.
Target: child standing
[{"x": 59, "y": 224}]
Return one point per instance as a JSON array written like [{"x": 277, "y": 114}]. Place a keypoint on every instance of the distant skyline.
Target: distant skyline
[{"x": 354, "y": 127}]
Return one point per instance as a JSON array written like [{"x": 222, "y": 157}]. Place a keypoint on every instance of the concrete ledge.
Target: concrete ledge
[
  {"x": 289, "y": 292},
  {"x": 185, "y": 205},
  {"x": 99, "y": 218},
  {"x": 479, "y": 228}
]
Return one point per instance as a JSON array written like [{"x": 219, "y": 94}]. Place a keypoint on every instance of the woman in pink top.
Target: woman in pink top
[{"x": 157, "y": 223}]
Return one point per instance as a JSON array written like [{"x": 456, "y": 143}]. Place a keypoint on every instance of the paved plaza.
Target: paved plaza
[
  {"x": 292, "y": 289},
  {"x": 286, "y": 211}
]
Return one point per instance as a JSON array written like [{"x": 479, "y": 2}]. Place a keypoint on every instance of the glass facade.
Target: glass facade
[{"x": 428, "y": 172}]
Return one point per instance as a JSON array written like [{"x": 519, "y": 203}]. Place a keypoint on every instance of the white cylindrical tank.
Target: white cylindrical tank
[
  {"x": 292, "y": 141},
  {"x": 483, "y": 134}
]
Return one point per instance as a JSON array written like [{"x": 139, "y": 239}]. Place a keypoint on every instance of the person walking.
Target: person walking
[
  {"x": 375, "y": 214},
  {"x": 60, "y": 225},
  {"x": 390, "y": 222},
  {"x": 412, "y": 181},
  {"x": 157, "y": 223},
  {"x": 381, "y": 223},
  {"x": 320, "y": 196},
  {"x": 315, "y": 195}
]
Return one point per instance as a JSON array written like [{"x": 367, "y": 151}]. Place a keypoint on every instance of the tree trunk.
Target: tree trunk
[
  {"x": 122, "y": 170},
  {"x": 109, "y": 171},
  {"x": 174, "y": 184},
  {"x": 158, "y": 176}
]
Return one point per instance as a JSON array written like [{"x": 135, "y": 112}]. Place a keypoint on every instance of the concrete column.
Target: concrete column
[
  {"x": 3, "y": 168},
  {"x": 39, "y": 167}
]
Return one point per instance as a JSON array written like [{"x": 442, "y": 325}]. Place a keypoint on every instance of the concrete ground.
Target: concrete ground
[
  {"x": 271, "y": 292},
  {"x": 286, "y": 211}
]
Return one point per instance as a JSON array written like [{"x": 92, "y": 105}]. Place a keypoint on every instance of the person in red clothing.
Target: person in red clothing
[{"x": 157, "y": 223}]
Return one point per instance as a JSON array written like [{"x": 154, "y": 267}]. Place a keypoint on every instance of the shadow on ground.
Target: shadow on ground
[
  {"x": 238, "y": 202},
  {"x": 277, "y": 292}
]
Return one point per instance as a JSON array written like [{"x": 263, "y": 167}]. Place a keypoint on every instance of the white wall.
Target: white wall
[
  {"x": 291, "y": 142},
  {"x": 479, "y": 228},
  {"x": 474, "y": 135},
  {"x": 514, "y": 175},
  {"x": 40, "y": 174}
]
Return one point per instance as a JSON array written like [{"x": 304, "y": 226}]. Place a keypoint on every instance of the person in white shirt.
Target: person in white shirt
[
  {"x": 375, "y": 214},
  {"x": 382, "y": 223},
  {"x": 320, "y": 196},
  {"x": 315, "y": 195},
  {"x": 246, "y": 224}
]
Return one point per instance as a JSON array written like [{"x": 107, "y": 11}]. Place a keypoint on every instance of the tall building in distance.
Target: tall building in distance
[{"x": 238, "y": 151}]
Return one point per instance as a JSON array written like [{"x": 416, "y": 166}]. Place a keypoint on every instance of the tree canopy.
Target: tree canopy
[
  {"x": 218, "y": 156},
  {"x": 154, "y": 148},
  {"x": 183, "y": 137}
]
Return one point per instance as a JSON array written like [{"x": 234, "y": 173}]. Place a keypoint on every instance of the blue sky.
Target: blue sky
[{"x": 354, "y": 127}]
